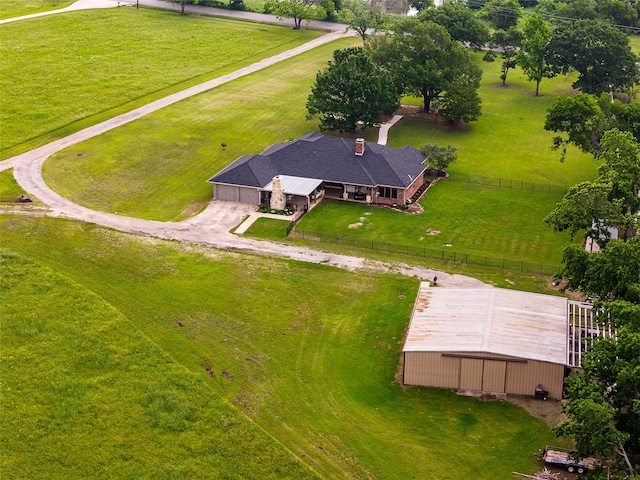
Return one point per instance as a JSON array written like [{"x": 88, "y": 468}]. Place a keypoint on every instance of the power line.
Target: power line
[{"x": 514, "y": 13}]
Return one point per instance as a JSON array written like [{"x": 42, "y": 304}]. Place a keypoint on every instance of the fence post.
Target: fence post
[
  {"x": 337, "y": 239},
  {"x": 442, "y": 252},
  {"x": 499, "y": 182},
  {"x": 522, "y": 267},
  {"x": 503, "y": 263},
  {"x": 454, "y": 256},
  {"x": 466, "y": 260},
  {"x": 388, "y": 246}
]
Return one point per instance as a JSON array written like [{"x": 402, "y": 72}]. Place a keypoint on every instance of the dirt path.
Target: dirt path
[{"x": 211, "y": 227}]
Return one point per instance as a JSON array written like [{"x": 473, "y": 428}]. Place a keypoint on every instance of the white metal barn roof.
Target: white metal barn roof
[{"x": 489, "y": 320}]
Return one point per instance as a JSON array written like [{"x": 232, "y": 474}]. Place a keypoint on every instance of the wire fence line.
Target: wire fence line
[
  {"x": 508, "y": 183},
  {"x": 416, "y": 251}
]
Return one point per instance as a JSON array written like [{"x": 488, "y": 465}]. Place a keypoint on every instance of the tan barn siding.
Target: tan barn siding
[
  {"x": 522, "y": 378},
  {"x": 431, "y": 369},
  {"x": 471, "y": 374},
  {"x": 494, "y": 376}
]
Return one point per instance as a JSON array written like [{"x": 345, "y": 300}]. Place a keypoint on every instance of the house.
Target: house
[
  {"x": 302, "y": 172},
  {"x": 489, "y": 340}
]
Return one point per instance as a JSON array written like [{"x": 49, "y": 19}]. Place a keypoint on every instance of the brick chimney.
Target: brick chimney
[{"x": 360, "y": 146}]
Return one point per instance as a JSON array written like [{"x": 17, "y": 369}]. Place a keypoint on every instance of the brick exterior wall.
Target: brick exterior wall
[{"x": 403, "y": 195}]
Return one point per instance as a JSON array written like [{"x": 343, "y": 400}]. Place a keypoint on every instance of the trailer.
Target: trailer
[{"x": 564, "y": 458}]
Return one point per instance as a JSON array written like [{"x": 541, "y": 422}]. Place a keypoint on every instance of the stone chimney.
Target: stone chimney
[
  {"x": 360, "y": 146},
  {"x": 278, "y": 198}
]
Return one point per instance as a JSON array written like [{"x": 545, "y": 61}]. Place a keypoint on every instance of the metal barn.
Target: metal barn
[{"x": 489, "y": 340}]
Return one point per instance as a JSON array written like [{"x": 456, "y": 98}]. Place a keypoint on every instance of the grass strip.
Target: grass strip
[
  {"x": 61, "y": 73},
  {"x": 309, "y": 352}
]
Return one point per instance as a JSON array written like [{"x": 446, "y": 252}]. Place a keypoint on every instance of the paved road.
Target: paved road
[
  {"x": 192, "y": 9},
  {"x": 211, "y": 227},
  {"x": 256, "y": 17}
]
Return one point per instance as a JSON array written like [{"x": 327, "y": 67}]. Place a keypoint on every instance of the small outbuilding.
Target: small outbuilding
[{"x": 488, "y": 340}]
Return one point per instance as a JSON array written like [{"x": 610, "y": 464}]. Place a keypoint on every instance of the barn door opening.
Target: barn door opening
[
  {"x": 471, "y": 374},
  {"x": 493, "y": 376}
]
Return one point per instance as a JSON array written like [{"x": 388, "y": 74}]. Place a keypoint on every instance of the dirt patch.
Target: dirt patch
[
  {"x": 355, "y": 225},
  {"x": 549, "y": 411},
  {"x": 432, "y": 232},
  {"x": 226, "y": 373},
  {"x": 209, "y": 370}
]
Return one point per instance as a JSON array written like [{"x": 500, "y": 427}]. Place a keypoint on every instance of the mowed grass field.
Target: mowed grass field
[
  {"x": 17, "y": 8},
  {"x": 85, "y": 394},
  {"x": 457, "y": 216},
  {"x": 309, "y": 352},
  {"x": 157, "y": 166},
  {"x": 67, "y": 71},
  {"x": 509, "y": 139}
]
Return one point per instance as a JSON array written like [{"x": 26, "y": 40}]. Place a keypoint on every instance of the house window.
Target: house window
[{"x": 386, "y": 192}]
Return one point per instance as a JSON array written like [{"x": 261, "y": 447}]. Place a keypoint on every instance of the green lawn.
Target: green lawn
[
  {"x": 85, "y": 394},
  {"x": 9, "y": 188},
  {"x": 313, "y": 364},
  {"x": 508, "y": 140},
  {"x": 157, "y": 167},
  {"x": 17, "y": 8},
  {"x": 457, "y": 216},
  {"x": 53, "y": 83}
]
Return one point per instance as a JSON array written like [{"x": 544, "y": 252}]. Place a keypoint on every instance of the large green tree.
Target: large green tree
[
  {"x": 505, "y": 44},
  {"x": 603, "y": 397},
  {"x": 536, "y": 35},
  {"x": 351, "y": 89},
  {"x": 425, "y": 61},
  {"x": 598, "y": 52},
  {"x": 360, "y": 16},
  {"x": 611, "y": 201},
  {"x": 503, "y": 14},
  {"x": 298, "y": 10},
  {"x": 582, "y": 119},
  {"x": 460, "y": 22}
]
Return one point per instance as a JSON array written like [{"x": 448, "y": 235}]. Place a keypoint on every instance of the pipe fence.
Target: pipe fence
[{"x": 417, "y": 251}]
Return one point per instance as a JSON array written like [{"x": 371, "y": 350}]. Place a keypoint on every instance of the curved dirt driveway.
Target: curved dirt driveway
[{"x": 211, "y": 227}]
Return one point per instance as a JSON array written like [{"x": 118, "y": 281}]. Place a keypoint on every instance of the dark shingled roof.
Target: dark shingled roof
[{"x": 331, "y": 159}]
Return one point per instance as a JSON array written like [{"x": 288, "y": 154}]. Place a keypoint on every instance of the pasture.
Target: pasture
[
  {"x": 85, "y": 394},
  {"x": 157, "y": 166},
  {"x": 312, "y": 364},
  {"x": 64, "y": 72}
]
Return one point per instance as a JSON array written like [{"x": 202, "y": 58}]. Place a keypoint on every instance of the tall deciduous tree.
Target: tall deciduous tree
[
  {"x": 603, "y": 398},
  {"x": 580, "y": 118},
  {"x": 360, "y": 16},
  {"x": 299, "y": 10},
  {"x": 504, "y": 43},
  {"x": 503, "y": 14},
  {"x": 425, "y": 61},
  {"x": 460, "y": 22},
  {"x": 611, "y": 201},
  {"x": 598, "y": 52},
  {"x": 351, "y": 89},
  {"x": 536, "y": 35},
  {"x": 583, "y": 119}
]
